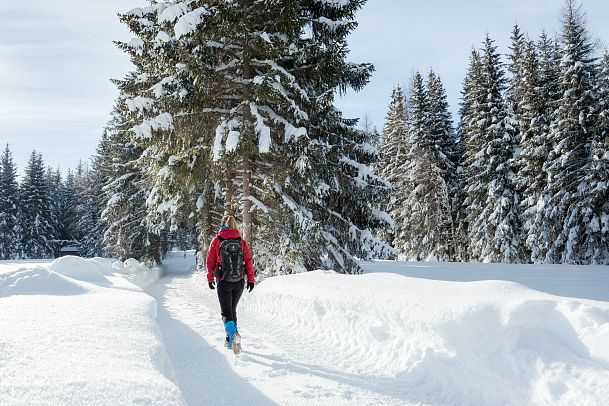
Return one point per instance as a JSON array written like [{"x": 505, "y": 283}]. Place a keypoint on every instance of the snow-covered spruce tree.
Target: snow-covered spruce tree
[
  {"x": 37, "y": 232},
  {"x": 594, "y": 203},
  {"x": 68, "y": 218},
  {"x": 535, "y": 109},
  {"x": 428, "y": 226},
  {"x": 395, "y": 144},
  {"x": 257, "y": 78},
  {"x": 339, "y": 154},
  {"x": 588, "y": 221},
  {"x": 571, "y": 132},
  {"x": 126, "y": 233},
  {"x": 9, "y": 206},
  {"x": 491, "y": 204},
  {"x": 448, "y": 152},
  {"x": 92, "y": 206},
  {"x": 470, "y": 96},
  {"x": 55, "y": 187}
]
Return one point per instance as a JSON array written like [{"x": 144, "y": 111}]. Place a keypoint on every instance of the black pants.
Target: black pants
[{"x": 229, "y": 294}]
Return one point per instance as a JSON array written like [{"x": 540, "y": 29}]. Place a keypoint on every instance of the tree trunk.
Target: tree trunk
[
  {"x": 249, "y": 131},
  {"x": 247, "y": 203},
  {"x": 230, "y": 192}
]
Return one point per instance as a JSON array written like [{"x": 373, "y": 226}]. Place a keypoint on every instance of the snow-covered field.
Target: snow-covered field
[{"x": 87, "y": 332}]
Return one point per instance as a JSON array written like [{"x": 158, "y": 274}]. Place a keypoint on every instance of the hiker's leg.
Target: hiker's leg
[
  {"x": 225, "y": 296},
  {"x": 237, "y": 292}
]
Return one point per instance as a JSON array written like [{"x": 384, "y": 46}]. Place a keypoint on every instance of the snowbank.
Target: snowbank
[
  {"x": 136, "y": 272},
  {"x": 37, "y": 281},
  {"x": 80, "y": 269},
  {"x": 442, "y": 343},
  {"x": 72, "y": 332}
]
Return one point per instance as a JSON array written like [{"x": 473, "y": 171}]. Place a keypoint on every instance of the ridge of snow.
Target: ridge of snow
[{"x": 75, "y": 332}]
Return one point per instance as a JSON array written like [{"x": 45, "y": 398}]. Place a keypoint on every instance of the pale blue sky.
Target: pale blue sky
[{"x": 56, "y": 59}]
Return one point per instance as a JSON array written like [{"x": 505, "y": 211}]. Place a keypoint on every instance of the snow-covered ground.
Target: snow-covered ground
[
  {"x": 74, "y": 332},
  {"x": 81, "y": 332}
]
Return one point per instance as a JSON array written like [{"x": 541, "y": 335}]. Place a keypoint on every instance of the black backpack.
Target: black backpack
[{"x": 232, "y": 266}]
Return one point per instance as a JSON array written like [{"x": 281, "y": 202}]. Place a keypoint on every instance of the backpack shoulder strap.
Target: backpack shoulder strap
[{"x": 220, "y": 238}]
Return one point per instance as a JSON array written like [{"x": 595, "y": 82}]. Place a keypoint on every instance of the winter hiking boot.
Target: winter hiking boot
[
  {"x": 237, "y": 343},
  {"x": 227, "y": 343},
  {"x": 234, "y": 339}
]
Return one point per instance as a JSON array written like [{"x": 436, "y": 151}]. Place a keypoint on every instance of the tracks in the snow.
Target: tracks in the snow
[{"x": 276, "y": 366}]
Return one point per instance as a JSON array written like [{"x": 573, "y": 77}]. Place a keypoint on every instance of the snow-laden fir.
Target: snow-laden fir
[
  {"x": 230, "y": 108},
  {"x": 88, "y": 331}
]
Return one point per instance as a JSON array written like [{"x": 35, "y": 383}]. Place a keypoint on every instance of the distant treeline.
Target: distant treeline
[{"x": 44, "y": 212}]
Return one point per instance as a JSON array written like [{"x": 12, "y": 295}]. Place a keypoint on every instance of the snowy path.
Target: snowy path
[
  {"x": 275, "y": 367},
  {"x": 385, "y": 339}
]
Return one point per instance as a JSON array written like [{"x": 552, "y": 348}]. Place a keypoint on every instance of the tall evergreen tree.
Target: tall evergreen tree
[
  {"x": 90, "y": 224},
  {"x": 470, "y": 96},
  {"x": 68, "y": 219},
  {"x": 56, "y": 194},
  {"x": 491, "y": 204},
  {"x": 244, "y": 90},
  {"x": 126, "y": 234},
  {"x": 395, "y": 144},
  {"x": 571, "y": 132},
  {"x": 448, "y": 153},
  {"x": 594, "y": 203},
  {"x": 37, "y": 231},
  {"x": 9, "y": 206},
  {"x": 540, "y": 74},
  {"x": 428, "y": 226}
]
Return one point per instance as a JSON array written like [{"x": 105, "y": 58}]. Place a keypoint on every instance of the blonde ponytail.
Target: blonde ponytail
[{"x": 229, "y": 221}]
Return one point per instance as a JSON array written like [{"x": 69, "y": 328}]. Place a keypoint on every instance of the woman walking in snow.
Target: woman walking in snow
[{"x": 229, "y": 262}]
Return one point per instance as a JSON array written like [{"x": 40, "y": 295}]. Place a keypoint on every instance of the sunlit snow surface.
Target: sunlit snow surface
[
  {"x": 84, "y": 332},
  {"x": 72, "y": 332}
]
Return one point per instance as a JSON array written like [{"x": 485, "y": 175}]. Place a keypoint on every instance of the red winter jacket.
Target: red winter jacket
[{"x": 213, "y": 255}]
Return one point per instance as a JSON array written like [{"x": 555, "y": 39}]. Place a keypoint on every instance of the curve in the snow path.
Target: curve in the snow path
[{"x": 203, "y": 374}]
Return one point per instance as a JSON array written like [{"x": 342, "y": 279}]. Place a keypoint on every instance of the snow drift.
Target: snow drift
[
  {"x": 416, "y": 341},
  {"x": 71, "y": 332}
]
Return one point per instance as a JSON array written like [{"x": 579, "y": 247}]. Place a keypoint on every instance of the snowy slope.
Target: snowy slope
[
  {"x": 74, "y": 333},
  {"x": 314, "y": 338}
]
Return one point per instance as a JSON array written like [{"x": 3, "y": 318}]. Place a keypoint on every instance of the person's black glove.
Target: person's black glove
[
  {"x": 212, "y": 285},
  {"x": 250, "y": 286}
]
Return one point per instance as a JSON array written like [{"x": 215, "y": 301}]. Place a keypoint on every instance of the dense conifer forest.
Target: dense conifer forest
[{"x": 230, "y": 108}]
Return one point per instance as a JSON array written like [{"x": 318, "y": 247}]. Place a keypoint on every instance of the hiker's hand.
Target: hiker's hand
[
  {"x": 250, "y": 286},
  {"x": 212, "y": 285}
]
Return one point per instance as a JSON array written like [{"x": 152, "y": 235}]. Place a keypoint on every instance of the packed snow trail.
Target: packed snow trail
[
  {"x": 382, "y": 339},
  {"x": 274, "y": 367}
]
